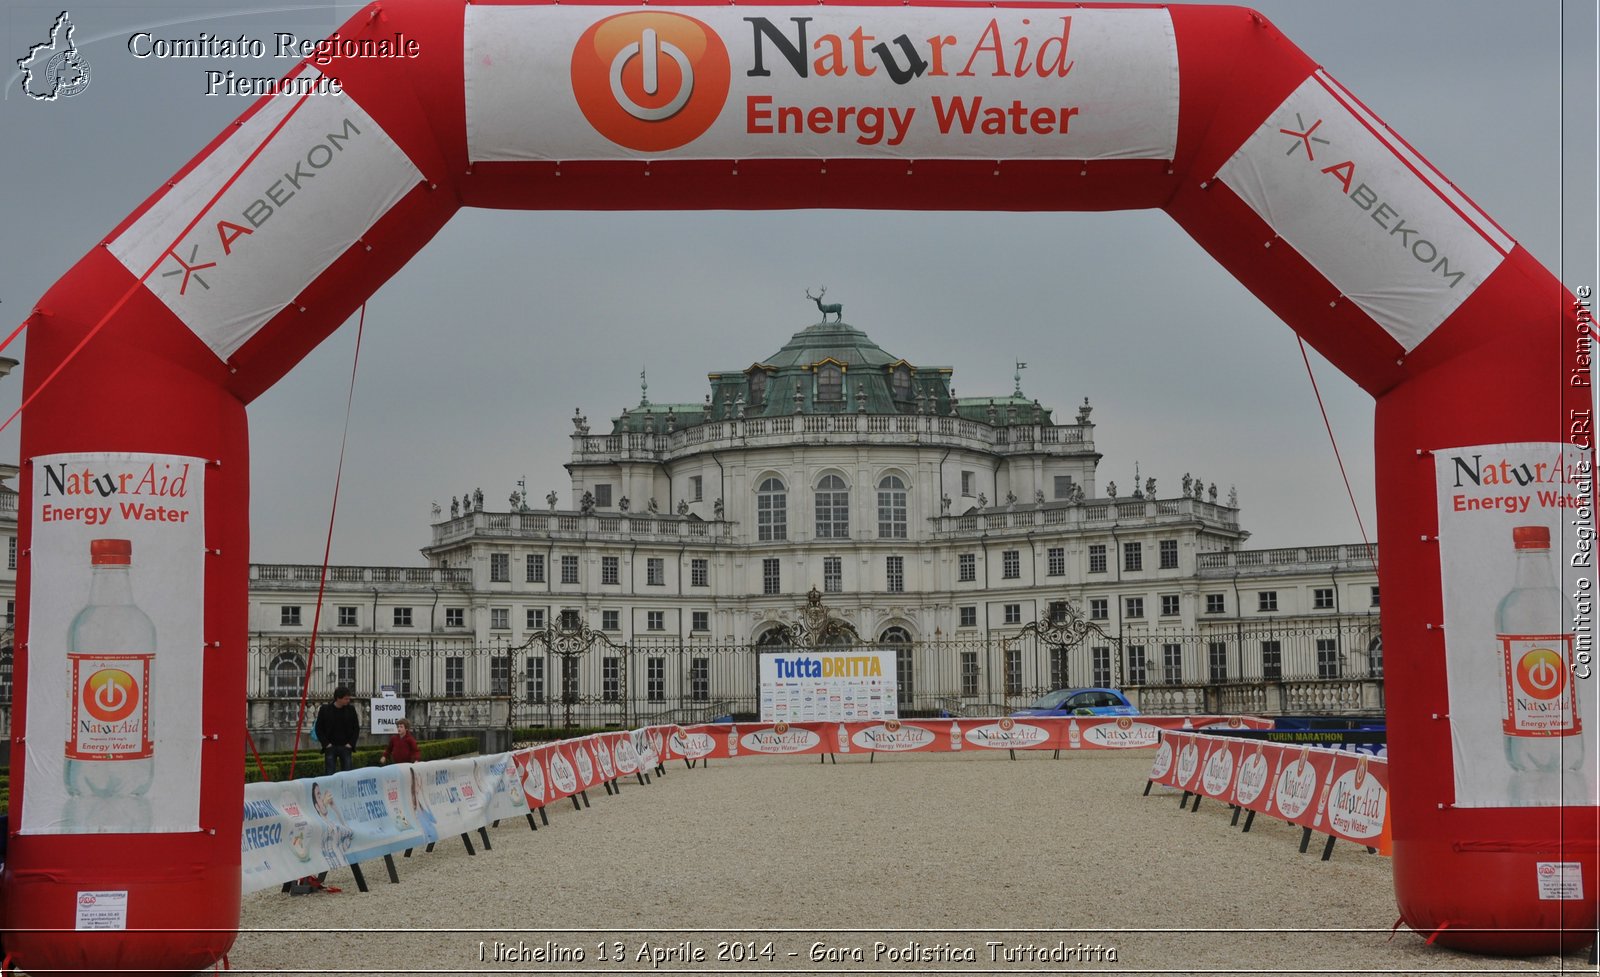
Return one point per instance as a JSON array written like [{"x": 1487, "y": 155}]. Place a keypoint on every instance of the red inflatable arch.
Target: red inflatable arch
[{"x": 141, "y": 361}]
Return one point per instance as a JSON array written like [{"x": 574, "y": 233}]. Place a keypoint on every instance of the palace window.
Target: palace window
[
  {"x": 967, "y": 567},
  {"x": 1322, "y": 599},
  {"x": 1056, "y": 558},
  {"x": 1063, "y": 486},
  {"x": 900, "y": 382},
  {"x": 832, "y": 575},
  {"x": 1328, "y": 658},
  {"x": 1097, "y": 558},
  {"x": 1136, "y": 674},
  {"x": 772, "y": 510},
  {"x": 699, "y": 679},
  {"x": 499, "y": 567},
  {"x": 969, "y": 484},
  {"x": 1099, "y": 609},
  {"x": 1267, "y": 600},
  {"x": 1216, "y": 604},
  {"x": 758, "y": 386},
  {"x": 655, "y": 571},
  {"x": 1100, "y": 665},
  {"x": 400, "y": 674},
  {"x": 967, "y": 617},
  {"x": 610, "y": 620},
  {"x": 1217, "y": 661},
  {"x": 699, "y": 620},
  {"x": 500, "y": 619},
  {"x": 289, "y": 616},
  {"x": 602, "y": 496},
  {"x": 535, "y": 568},
  {"x": 569, "y": 569},
  {"x": 402, "y": 617},
  {"x": 1011, "y": 564},
  {"x": 891, "y": 508},
  {"x": 830, "y": 383},
  {"x": 347, "y": 616},
  {"x": 1134, "y": 607},
  {"x": 771, "y": 582},
  {"x": 699, "y": 573},
  {"x": 1169, "y": 554},
  {"x": 696, "y": 488},
  {"x": 610, "y": 570},
  {"x": 533, "y": 679},
  {"x": 895, "y": 574},
  {"x": 535, "y": 619},
  {"x": 1169, "y": 605},
  {"x": 1172, "y": 663},
  {"x": 1132, "y": 556},
  {"x": 655, "y": 620},
  {"x": 655, "y": 679},
  {"x": 1272, "y": 660},
  {"x": 610, "y": 678},
  {"x": 455, "y": 676},
  {"x": 1013, "y": 613},
  {"x": 833, "y": 508}
]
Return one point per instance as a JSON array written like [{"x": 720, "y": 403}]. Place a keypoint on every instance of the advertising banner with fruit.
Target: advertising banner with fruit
[
  {"x": 115, "y": 649},
  {"x": 1516, "y": 551}
]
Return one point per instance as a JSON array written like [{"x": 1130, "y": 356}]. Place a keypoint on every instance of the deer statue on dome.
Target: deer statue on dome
[{"x": 832, "y": 308}]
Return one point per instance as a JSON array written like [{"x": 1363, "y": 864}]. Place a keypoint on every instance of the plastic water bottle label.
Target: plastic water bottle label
[
  {"x": 110, "y": 707},
  {"x": 1541, "y": 699}
]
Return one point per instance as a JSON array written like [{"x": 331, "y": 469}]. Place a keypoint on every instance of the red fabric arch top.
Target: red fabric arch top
[{"x": 142, "y": 358}]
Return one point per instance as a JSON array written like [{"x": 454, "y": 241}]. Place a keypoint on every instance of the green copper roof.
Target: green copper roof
[{"x": 830, "y": 340}]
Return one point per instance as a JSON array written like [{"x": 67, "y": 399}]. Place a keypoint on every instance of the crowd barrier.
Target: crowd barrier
[
  {"x": 299, "y": 828},
  {"x": 1282, "y": 781}
]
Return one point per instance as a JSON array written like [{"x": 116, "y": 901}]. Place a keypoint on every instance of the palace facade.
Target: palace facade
[{"x": 974, "y": 534}]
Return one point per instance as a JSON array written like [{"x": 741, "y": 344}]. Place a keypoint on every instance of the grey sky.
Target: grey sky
[{"x": 476, "y": 354}]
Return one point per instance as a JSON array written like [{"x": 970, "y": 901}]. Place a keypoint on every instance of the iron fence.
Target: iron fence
[{"x": 587, "y": 678}]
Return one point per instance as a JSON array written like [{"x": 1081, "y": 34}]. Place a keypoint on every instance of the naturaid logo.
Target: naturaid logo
[
  {"x": 55, "y": 68},
  {"x": 652, "y": 80}
]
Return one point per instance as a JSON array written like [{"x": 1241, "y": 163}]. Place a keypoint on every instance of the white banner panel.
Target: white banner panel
[
  {"x": 116, "y": 668},
  {"x": 325, "y": 174},
  {"x": 850, "y": 684},
  {"x": 581, "y": 82},
  {"x": 1368, "y": 213},
  {"x": 1522, "y": 693}
]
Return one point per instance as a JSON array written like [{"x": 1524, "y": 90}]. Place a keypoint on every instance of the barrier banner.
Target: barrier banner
[
  {"x": 1336, "y": 792},
  {"x": 530, "y": 770}
]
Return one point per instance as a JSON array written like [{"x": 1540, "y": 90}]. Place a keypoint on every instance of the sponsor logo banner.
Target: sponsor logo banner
[
  {"x": 115, "y": 644},
  {"x": 1368, "y": 213},
  {"x": 1516, "y": 554},
  {"x": 324, "y": 174},
  {"x": 848, "y": 686},
  {"x": 579, "y": 83}
]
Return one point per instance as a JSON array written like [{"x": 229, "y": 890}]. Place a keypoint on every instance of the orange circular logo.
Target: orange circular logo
[
  {"x": 1541, "y": 674},
  {"x": 650, "y": 80},
  {"x": 110, "y": 694}
]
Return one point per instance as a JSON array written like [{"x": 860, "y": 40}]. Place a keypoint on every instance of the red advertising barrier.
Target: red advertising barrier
[
  {"x": 1336, "y": 792},
  {"x": 724, "y": 740}
]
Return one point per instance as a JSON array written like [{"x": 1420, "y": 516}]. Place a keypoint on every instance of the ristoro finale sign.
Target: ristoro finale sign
[
  {"x": 114, "y": 642},
  {"x": 582, "y": 82}
]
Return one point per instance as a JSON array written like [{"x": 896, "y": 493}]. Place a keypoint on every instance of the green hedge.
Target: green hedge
[{"x": 309, "y": 763}]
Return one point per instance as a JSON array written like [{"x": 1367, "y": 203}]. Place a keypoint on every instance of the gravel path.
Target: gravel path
[{"x": 910, "y": 861}]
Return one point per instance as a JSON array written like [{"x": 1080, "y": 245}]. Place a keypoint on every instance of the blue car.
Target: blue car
[{"x": 1081, "y": 702}]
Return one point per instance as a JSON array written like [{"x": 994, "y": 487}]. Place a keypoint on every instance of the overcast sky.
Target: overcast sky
[{"x": 477, "y": 353}]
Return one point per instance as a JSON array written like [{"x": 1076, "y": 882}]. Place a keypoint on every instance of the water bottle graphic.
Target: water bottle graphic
[
  {"x": 1543, "y": 733},
  {"x": 955, "y": 735},
  {"x": 111, "y": 645},
  {"x": 844, "y": 739},
  {"x": 1074, "y": 736}
]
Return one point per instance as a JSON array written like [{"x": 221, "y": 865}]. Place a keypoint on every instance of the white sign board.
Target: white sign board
[
  {"x": 386, "y": 711},
  {"x": 845, "y": 685}
]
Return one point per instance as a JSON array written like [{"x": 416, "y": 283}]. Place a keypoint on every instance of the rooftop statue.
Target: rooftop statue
[{"x": 832, "y": 308}]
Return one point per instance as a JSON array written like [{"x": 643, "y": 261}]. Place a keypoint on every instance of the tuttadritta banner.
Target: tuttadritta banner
[
  {"x": 1516, "y": 531},
  {"x": 1337, "y": 792},
  {"x": 590, "y": 82},
  {"x": 115, "y": 653}
]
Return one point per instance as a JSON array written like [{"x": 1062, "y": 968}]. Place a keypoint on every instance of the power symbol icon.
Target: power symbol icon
[
  {"x": 649, "y": 49},
  {"x": 111, "y": 696},
  {"x": 1544, "y": 676}
]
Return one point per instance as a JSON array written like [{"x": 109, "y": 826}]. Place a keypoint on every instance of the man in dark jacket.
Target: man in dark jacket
[{"x": 338, "y": 727}]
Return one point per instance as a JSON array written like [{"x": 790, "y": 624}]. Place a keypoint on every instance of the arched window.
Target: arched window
[
  {"x": 905, "y": 670},
  {"x": 284, "y": 675},
  {"x": 772, "y": 510},
  {"x": 830, "y": 383},
  {"x": 900, "y": 382},
  {"x": 833, "y": 508},
  {"x": 758, "y": 386},
  {"x": 891, "y": 508}
]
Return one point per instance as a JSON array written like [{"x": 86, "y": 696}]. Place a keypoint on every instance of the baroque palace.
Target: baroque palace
[{"x": 829, "y": 482}]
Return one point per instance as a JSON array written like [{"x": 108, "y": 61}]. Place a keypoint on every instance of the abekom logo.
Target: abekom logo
[{"x": 650, "y": 80}]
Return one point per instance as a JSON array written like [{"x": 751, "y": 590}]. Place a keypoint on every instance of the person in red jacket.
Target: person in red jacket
[{"x": 402, "y": 746}]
